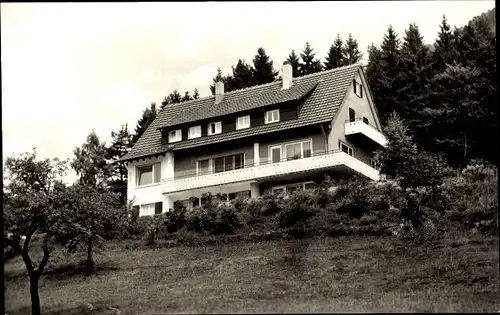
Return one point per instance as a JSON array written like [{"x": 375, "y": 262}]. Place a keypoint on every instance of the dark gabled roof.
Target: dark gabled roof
[
  {"x": 328, "y": 91},
  {"x": 232, "y": 102}
]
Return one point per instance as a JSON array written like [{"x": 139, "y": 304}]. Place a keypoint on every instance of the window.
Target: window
[
  {"x": 147, "y": 209},
  {"x": 158, "y": 207},
  {"x": 175, "y": 135},
  {"x": 243, "y": 122},
  {"x": 309, "y": 185},
  {"x": 272, "y": 116},
  {"x": 147, "y": 175},
  {"x": 228, "y": 163},
  {"x": 194, "y": 132},
  {"x": 352, "y": 115},
  {"x": 358, "y": 89},
  {"x": 203, "y": 167},
  {"x": 243, "y": 195},
  {"x": 345, "y": 148},
  {"x": 214, "y": 128},
  {"x": 293, "y": 188},
  {"x": 373, "y": 163},
  {"x": 278, "y": 190},
  {"x": 289, "y": 189},
  {"x": 298, "y": 150},
  {"x": 275, "y": 153},
  {"x": 365, "y": 120}
]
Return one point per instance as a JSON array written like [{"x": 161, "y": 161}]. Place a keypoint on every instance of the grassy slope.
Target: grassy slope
[{"x": 345, "y": 274}]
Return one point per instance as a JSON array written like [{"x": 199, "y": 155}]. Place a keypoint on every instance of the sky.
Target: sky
[{"x": 68, "y": 68}]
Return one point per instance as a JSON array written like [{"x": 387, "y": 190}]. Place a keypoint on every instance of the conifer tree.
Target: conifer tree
[
  {"x": 294, "y": 61},
  {"x": 309, "y": 63},
  {"x": 148, "y": 115},
  {"x": 444, "y": 48},
  {"x": 186, "y": 97},
  {"x": 121, "y": 144},
  {"x": 242, "y": 76},
  {"x": 196, "y": 94},
  {"x": 263, "y": 69},
  {"x": 350, "y": 52},
  {"x": 334, "y": 58}
]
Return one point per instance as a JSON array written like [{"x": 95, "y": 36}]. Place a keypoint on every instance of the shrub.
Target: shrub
[
  {"x": 299, "y": 207},
  {"x": 227, "y": 219},
  {"x": 368, "y": 219},
  {"x": 272, "y": 203},
  {"x": 213, "y": 216},
  {"x": 175, "y": 219}
]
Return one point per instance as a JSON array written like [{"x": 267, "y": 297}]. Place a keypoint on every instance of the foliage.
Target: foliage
[
  {"x": 298, "y": 208},
  {"x": 263, "y": 70},
  {"x": 148, "y": 115},
  {"x": 335, "y": 58},
  {"x": 91, "y": 216},
  {"x": 309, "y": 64},
  {"x": 32, "y": 206},
  {"x": 214, "y": 217},
  {"x": 90, "y": 163},
  {"x": 400, "y": 158},
  {"x": 294, "y": 61},
  {"x": 350, "y": 52},
  {"x": 121, "y": 144}
]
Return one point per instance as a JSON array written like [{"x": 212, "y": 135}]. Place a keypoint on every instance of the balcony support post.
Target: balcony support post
[
  {"x": 256, "y": 154},
  {"x": 254, "y": 190}
]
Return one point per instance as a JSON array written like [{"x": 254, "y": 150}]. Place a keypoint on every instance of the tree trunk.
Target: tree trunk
[
  {"x": 35, "y": 298},
  {"x": 89, "y": 264}
]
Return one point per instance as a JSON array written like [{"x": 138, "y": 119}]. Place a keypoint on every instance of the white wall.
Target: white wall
[
  {"x": 151, "y": 193},
  {"x": 363, "y": 108}
]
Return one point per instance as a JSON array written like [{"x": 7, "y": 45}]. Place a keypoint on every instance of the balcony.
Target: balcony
[
  {"x": 332, "y": 160},
  {"x": 364, "y": 134}
]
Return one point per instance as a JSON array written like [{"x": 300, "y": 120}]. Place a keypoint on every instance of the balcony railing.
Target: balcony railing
[
  {"x": 360, "y": 126},
  {"x": 263, "y": 169}
]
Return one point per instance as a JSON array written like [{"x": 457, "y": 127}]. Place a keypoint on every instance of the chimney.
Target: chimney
[
  {"x": 219, "y": 91},
  {"x": 286, "y": 75}
]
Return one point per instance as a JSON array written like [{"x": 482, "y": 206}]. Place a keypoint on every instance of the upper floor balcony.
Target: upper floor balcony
[
  {"x": 364, "y": 133},
  {"x": 317, "y": 161}
]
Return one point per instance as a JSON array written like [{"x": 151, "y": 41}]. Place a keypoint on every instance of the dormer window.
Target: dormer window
[
  {"x": 358, "y": 88},
  {"x": 194, "y": 132},
  {"x": 175, "y": 135},
  {"x": 214, "y": 128},
  {"x": 272, "y": 116},
  {"x": 243, "y": 122}
]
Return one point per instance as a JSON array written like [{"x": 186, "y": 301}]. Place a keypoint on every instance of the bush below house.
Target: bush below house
[{"x": 467, "y": 201}]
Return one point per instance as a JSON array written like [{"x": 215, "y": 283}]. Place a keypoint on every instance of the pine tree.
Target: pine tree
[
  {"x": 121, "y": 144},
  {"x": 455, "y": 115},
  {"x": 309, "y": 64},
  {"x": 263, "y": 69},
  {"x": 350, "y": 52},
  {"x": 444, "y": 48},
  {"x": 227, "y": 80},
  {"x": 334, "y": 58},
  {"x": 413, "y": 75},
  {"x": 386, "y": 85},
  {"x": 186, "y": 97},
  {"x": 373, "y": 69},
  {"x": 173, "y": 98},
  {"x": 148, "y": 115},
  {"x": 196, "y": 94},
  {"x": 242, "y": 76},
  {"x": 294, "y": 61}
]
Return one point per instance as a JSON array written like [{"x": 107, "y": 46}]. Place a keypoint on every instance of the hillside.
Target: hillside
[{"x": 345, "y": 274}]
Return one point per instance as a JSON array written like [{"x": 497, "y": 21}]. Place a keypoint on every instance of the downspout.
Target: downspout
[{"x": 326, "y": 138}]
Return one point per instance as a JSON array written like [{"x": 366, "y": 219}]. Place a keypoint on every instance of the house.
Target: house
[{"x": 280, "y": 136}]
